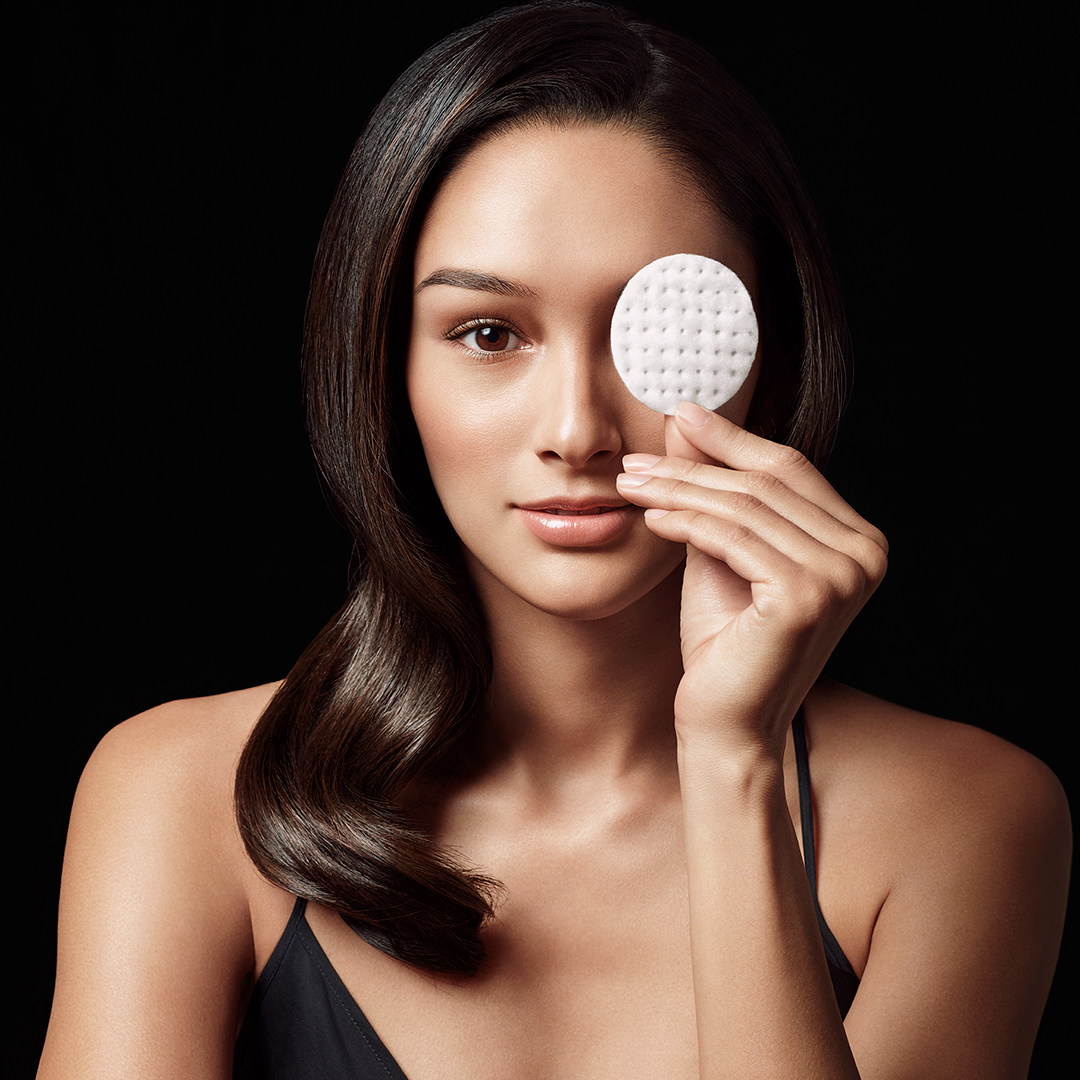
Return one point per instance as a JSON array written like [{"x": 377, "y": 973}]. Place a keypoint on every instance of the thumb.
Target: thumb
[{"x": 676, "y": 444}]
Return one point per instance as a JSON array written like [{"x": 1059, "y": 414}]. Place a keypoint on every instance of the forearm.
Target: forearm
[{"x": 765, "y": 1004}]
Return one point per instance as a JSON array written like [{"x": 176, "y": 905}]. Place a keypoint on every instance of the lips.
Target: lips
[
  {"x": 575, "y": 522},
  {"x": 571, "y": 511}
]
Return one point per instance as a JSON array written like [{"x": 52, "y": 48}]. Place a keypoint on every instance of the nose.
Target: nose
[{"x": 578, "y": 405}]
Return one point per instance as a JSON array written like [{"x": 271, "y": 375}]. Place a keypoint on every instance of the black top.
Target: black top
[{"x": 302, "y": 1024}]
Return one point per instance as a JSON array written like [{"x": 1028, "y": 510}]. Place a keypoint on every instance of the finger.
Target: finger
[
  {"x": 692, "y": 486},
  {"x": 716, "y": 437},
  {"x": 679, "y": 446},
  {"x": 810, "y": 538},
  {"x": 801, "y": 593},
  {"x": 759, "y": 500}
]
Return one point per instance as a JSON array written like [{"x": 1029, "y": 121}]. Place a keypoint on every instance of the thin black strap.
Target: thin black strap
[
  {"x": 845, "y": 981},
  {"x": 806, "y": 805}
]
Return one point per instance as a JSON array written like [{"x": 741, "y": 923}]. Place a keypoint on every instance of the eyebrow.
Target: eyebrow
[{"x": 476, "y": 280}]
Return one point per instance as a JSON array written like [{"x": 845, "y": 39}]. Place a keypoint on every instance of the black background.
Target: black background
[{"x": 174, "y": 168}]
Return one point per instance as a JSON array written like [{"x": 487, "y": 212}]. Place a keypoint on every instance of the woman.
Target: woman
[{"x": 476, "y": 763}]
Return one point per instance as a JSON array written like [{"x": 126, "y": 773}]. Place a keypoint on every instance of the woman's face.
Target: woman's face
[{"x": 523, "y": 418}]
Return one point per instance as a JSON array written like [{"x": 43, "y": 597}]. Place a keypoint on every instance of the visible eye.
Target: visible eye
[{"x": 487, "y": 337}]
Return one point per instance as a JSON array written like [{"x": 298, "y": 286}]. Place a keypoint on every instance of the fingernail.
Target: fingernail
[
  {"x": 639, "y": 462},
  {"x": 693, "y": 414},
  {"x": 628, "y": 480},
  {"x": 655, "y": 512}
]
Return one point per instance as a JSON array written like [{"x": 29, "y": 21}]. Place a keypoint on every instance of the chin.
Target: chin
[{"x": 590, "y": 592}]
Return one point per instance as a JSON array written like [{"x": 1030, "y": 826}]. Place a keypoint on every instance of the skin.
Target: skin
[{"x": 638, "y": 797}]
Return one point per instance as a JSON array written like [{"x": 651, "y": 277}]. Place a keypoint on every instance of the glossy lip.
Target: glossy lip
[{"x": 568, "y": 522}]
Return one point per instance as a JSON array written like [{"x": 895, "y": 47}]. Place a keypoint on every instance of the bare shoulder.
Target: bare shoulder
[
  {"x": 155, "y": 938},
  {"x": 875, "y": 749},
  {"x": 172, "y": 769},
  {"x": 187, "y": 729},
  {"x": 943, "y": 860}
]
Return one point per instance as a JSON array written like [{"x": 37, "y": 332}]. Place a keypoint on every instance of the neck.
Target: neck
[{"x": 581, "y": 699}]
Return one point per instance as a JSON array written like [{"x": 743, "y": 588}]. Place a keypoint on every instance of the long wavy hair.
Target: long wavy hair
[{"x": 393, "y": 685}]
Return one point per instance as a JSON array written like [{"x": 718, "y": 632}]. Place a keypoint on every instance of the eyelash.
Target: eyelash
[{"x": 479, "y": 323}]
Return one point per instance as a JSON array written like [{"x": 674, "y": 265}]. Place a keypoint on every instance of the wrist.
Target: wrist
[
  {"x": 742, "y": 742},
  {"x": 735, "y": 767}
]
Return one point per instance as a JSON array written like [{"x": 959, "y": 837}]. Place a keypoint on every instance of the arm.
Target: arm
[
  {"x": 154, "y": 931},
  {"x": 971, "y": 838},
  {"x": 777, "y": 567},
  {"x": 966, "y": 940},
  {"x": 764, "y": 1000}
]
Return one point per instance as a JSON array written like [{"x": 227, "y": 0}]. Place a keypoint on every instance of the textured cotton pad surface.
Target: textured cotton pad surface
[{"x": 684, "y": 329}]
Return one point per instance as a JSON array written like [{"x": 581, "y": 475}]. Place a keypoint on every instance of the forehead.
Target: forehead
[{"x": 542, "y": 201}]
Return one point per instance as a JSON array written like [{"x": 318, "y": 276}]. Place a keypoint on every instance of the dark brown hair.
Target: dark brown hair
[{"x": 395, "y": 681}]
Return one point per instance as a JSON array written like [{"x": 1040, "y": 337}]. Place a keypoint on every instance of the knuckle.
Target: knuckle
[
  {"x": 683, "y": 487},
  {"x": 830, "y": 588},
  {"x": 872, "y": 559},
  {"x": 727, "y": 533},
  {"x": 877, "y": 565},
  {"x": 880, "y": 540},
  {"x": 696, "y": 472},
  {"x": 817, "y": 595},
  {"x": 851, "y": 578},
  {"x": 741, "y": 502},
  {"x": 786, "y": 459},
  {"x": 763, "y": 485},
  {"x": 857, "y": 576}
]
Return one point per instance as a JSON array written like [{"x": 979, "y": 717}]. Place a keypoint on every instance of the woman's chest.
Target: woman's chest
[
  {"x": 589, "y": 975},
  {"x": 589, "y": 971}
]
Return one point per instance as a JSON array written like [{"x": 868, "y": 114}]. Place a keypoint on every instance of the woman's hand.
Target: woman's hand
[{"x": 777, "y": 567}]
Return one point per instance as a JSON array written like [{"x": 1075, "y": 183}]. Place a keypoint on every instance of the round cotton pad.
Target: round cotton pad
[{"x": 684, "y": 329}]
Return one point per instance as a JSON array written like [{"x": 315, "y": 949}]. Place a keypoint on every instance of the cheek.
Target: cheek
[{"x": 464, "y": 435}]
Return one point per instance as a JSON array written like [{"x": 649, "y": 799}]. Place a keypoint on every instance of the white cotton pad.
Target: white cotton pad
[{"x": 684, "y": 329}]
